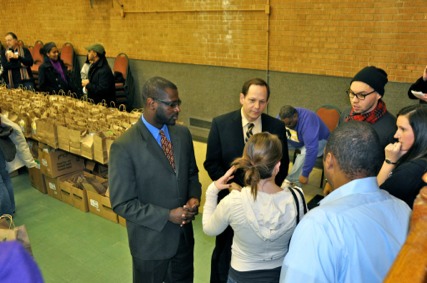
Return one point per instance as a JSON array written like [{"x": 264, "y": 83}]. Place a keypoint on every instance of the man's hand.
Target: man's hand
[
  {"x": 303, "y": 180},
  {"x": 192, "y": 205},
  {"x": 85, "y": 83},
  {"x": 181, "y": 216}
]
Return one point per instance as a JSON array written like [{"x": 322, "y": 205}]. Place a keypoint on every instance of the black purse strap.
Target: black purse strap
[{"x": 297, "y": 203}]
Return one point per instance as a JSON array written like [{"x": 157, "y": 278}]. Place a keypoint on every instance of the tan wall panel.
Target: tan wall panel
[{"x": 328, "y": 37}]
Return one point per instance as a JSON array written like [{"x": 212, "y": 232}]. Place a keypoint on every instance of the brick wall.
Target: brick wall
[{"x": 324, "y": 37}]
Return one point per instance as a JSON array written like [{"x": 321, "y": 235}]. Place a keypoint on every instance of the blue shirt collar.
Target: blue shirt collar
[
  {"x": 155, "y": 131},
  {"x": 363, "y": 185}
]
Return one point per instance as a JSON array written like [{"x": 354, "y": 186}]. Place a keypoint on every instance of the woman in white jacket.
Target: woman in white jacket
[
  {"x": 262, "y": 215},
  {"x": 23, "y": 157}
]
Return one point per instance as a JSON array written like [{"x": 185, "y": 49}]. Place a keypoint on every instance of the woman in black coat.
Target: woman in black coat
[{"x": 53, "y": 74}]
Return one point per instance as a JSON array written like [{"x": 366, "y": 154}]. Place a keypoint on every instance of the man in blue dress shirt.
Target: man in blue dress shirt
[{"x": 357, "y": 230}]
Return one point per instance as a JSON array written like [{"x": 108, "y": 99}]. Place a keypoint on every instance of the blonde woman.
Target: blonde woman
[{"x": 262, "y": 215}]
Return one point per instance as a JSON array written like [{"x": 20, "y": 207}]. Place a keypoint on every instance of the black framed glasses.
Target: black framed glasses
[
  {"x": 172, "y": 104},
  {"x": 360, "y": 96}
]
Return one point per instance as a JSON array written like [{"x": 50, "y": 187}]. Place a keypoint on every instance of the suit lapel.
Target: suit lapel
[{"x": 238, "y": 131}]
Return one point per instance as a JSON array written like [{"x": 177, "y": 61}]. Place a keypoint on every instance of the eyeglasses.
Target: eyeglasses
[
  {"x": 360, "y": 96},
  {"x": 172, "y": 104}
]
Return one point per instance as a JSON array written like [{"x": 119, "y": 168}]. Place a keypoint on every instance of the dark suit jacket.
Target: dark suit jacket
[
  {"x": 225, "y": 143},
  {"x": 144, "y": 188}
]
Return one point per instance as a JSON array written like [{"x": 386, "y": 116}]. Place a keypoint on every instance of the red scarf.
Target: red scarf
[{"x": 370, "y": 117}]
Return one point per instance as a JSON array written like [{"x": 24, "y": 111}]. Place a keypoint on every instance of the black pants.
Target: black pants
[
  {"x": 176, "y": 269},
  {"x": 221, "y": 256}
]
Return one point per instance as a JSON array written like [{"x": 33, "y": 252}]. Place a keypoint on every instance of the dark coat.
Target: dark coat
[
  {"x": 15, "y": 66},
  {"x": 225, "y": 143},
  {"x": 101, "y": 82},
  {"x": 50, "y": 80},
  {"x": 144, "y": 188}
]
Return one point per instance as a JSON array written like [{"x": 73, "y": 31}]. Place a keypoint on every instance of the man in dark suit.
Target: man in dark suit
[
  {"x": 156, "y": 189},
  {"x": 226, "y": 141}
]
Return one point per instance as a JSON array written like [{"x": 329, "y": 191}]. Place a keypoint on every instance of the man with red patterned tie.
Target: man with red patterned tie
[{"x": 154, "y": 185}]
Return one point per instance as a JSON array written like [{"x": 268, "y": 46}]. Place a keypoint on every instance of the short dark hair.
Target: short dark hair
[
  {"x": 12, "y": 35},
  {"x": 417, "y": 117},
  {"x": 287, "y": 111},
  {"x": 47, "y": 48},
  {"x": 357, "y": 149},
  {"x": 156, "y": 86},
  {"x": 255, "y": 81}
]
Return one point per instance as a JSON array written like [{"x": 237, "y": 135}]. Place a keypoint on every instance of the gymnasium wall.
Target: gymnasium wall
[{"x": 307, "y": 50}]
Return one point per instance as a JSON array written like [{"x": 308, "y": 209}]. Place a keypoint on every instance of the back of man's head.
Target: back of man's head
[
  {"x": 287, "y": 111},
  {"x": 356, "y": 147}
]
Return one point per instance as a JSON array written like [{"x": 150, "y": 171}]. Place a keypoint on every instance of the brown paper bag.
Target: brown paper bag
[
  {"x": 7, "y": 228},
  {"x": 9, "y": 232}
]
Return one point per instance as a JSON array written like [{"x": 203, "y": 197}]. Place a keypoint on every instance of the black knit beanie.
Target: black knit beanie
[{"x": 374, "y": 77}]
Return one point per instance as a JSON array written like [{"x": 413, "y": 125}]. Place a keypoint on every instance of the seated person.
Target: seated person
[
  {"x": 406, "y": 160},
  {"x": 309, "y": 135},
  {"x": 53, "y": 74},
  {"x": 262, "y": 215},
  {"x": 419, "y": 86}
]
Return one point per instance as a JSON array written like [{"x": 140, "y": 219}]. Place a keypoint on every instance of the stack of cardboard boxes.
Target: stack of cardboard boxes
[{"x": 58, "y": 168}]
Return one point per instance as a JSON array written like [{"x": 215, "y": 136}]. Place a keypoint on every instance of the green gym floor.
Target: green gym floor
[{"x": 73, "y": 246}]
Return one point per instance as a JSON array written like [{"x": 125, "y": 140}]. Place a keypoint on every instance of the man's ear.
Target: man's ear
[
  {"x": 151, "y": 102},
  {"x": 329, "y": 161},
  {"x": 242, "y": 98}
]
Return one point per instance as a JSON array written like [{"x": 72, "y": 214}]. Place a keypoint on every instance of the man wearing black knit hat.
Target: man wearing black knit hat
[{"x": 365, "y": 93}]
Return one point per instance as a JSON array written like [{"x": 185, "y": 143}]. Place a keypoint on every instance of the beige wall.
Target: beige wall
[
  {"x": 332, "y": 38},
  {"x": 200, "y": 152}
]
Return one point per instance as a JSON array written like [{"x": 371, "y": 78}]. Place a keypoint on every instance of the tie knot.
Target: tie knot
[
  {"x": 250, "y": 127},
  {"x": 249, "y": 131},
  {"x": 162, "y": 134}
]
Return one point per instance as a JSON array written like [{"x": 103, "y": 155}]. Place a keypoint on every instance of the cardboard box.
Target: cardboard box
[
  {"x": 36, "y": 178},
  {"x": 86, "y": 149},
  {"x": 100, "y": 205},
  {"x": 122, "y": 221},
  {"x": 53, "y": 186},
  {"x": 56, "y": 162},
  {"x": 66, "y": 189},
  {"x": 97, "y": 169},
  {"x": 73, "y": 195},
  {"x": 80, "y": 199}
]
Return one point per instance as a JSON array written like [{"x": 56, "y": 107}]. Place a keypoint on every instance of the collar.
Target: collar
[
  {"x": 155, "y": 131},
  {"x": 358, "y": 186},
  {"x": 257, "y": 123}
]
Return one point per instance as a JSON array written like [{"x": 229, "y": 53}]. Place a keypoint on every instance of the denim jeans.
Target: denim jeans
[
  {"x": 7, "y": 198},
  {"x": 296, "y": 170}
]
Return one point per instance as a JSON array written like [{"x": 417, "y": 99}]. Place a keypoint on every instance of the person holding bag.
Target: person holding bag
[{"x": 14, "y": 153}]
